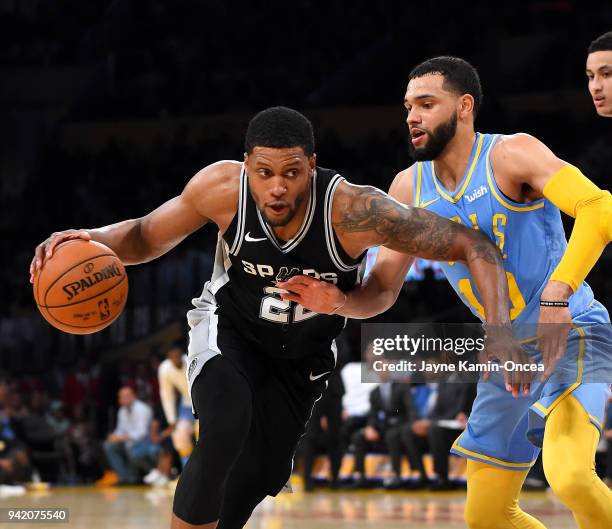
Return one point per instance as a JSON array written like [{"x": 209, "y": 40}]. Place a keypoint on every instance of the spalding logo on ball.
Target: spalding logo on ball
[{"x": 82, "y": 288}]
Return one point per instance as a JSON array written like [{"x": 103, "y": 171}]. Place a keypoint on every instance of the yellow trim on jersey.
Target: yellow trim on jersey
[
  {"x": 482, "y": 457},
  {"x": 418, "y": 186},
  {"x": 458, "y": 194},
  {"x": 520, "y": 209},
  {"x": 596, "y": 421},
  {"x": 545, "y": 410}
]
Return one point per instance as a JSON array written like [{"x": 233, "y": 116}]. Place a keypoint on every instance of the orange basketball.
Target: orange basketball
[{"x": 83, "y": 287}]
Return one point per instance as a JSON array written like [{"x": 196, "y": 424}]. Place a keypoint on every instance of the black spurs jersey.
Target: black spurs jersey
[{"x": 250, "y": 260}]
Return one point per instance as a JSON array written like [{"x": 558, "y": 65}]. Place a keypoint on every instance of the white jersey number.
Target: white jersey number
[{"x": 273, "y": 308}]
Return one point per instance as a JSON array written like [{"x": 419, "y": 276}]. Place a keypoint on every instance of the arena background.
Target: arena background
[{"x": 109, "y": 107}]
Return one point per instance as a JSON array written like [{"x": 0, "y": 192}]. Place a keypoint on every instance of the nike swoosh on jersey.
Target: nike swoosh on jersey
[
  {"x": 248, "y": 238},
  {"x": 316, "y": 377},
  {"x": 425, "y": 204}
]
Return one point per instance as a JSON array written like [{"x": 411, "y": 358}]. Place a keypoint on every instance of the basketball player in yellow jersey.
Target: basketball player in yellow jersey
[
  {"x": 599, "y": 72},
  {"x": 510, "y": 187}
]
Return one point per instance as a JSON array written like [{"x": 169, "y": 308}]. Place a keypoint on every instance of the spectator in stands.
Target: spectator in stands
[
  {"x": 355, "y": 401},
  {"x": 41, "y": 438},
  {"x": 60, "y": 424},
  {"x": 449, "y": 405},
  {"x": 390, "y": 406},
  {"x": 84, "y": 453},
  {"x": 323, "y": 433},
  {"x": 129, "y": 447},
  {"x": 14, "y": 461},
  {"x": 145, "y": 384},
  {"x": 397, "y": 446},
  {"x": 16, "y": 404},
  {"x": 160, "y": 475},
  {"x": 56, "y": 417},
  {"x": 172, "y": 382}
]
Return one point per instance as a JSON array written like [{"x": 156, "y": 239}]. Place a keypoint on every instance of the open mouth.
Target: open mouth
[
  {"x": 278, "y": 207},
  {"x": 417, "y": 136}
]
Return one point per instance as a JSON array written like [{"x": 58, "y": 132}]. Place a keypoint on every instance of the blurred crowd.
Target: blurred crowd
[
  {"x": 393, "y": 417},
  {"x": 404, "y": 430},
  {"x": 60, "y": 427},
  {"x": 83, "y": 426}
]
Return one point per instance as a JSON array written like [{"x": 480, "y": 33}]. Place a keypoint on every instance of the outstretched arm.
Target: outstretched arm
[{"x": 212, "y": 194}]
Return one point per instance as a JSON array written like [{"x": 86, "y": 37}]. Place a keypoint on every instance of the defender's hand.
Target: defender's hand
[
  {"x": 554, "y": 325},
  {"x": 319, "y": 296},
  {"x": 45, "y": 249},
  {"x": 501, "y": 346}
]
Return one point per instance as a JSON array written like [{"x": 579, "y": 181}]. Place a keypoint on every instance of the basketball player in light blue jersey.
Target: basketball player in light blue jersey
[
  {"x": 512, "y": 188},
  {"x": 599, "y": 73}
]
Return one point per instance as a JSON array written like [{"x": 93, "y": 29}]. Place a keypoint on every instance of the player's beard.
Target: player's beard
[
  {"x": 292, "y": 210},
  {"x": 437, "y": 141}
]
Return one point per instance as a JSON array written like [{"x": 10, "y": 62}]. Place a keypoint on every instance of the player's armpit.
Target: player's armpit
[
  {"x": 521, "y": 162},
  {"x": 577, "y": 196}
]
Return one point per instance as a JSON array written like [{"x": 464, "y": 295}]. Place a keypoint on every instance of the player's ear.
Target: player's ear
[
  {"x": 246, "y": 157},
  {"x": 312, "y": 162},
  {"x": 466, "y": 105}
]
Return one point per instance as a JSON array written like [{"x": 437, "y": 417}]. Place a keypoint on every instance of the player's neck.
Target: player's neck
[{"x": 452, "y": 163}]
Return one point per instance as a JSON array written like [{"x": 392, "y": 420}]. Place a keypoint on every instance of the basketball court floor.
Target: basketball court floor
[{"x": 146, "y": 508}]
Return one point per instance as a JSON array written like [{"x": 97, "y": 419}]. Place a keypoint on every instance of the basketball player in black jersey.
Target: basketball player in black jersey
[{"x": 257, "y": 362}]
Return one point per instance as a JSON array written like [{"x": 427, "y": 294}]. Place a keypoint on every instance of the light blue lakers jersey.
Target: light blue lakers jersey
[{"x": 530, "y": 236}]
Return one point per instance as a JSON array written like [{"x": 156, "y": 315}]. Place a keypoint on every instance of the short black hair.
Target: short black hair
[
  {"x": 280, "y": 128},
  {"x": 601, "y": 43},
  {"x": 459, "y": 76}
]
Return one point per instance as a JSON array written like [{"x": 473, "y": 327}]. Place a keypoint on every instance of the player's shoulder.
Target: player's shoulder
[
  {"x": 516, "y": 155},
  {"x": 518, "y": 145},
  {"x": 514, "y": 140},
  {"x": 401, "y": 188},
  {"x": 326, "y": 171},
  {"x": 214, "y": 190},
  {"x": 223, "y": 175}
]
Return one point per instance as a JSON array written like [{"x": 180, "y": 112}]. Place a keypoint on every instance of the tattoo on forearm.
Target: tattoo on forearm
[
  {"x": 411, "y": 230},
  {"x": 487, "y": 252}
]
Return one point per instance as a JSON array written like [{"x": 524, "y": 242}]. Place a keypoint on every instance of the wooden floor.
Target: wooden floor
[{"x": 145, "y": 508}]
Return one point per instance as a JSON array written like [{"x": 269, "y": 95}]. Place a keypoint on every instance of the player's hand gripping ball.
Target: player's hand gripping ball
[{"x": 82, "y": 288}]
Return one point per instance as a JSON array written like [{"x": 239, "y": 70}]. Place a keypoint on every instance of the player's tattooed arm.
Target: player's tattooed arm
[
  {"x": 364, "y": 216},
  {"x": 378, "y": 219}
]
